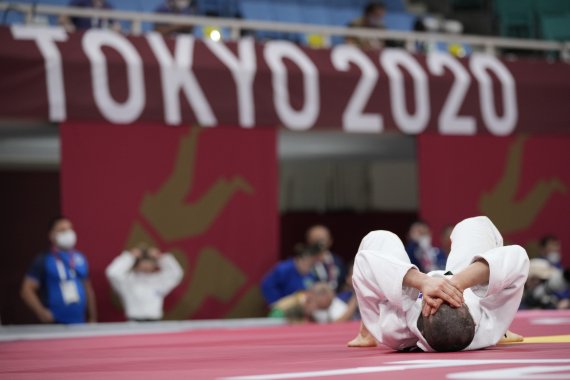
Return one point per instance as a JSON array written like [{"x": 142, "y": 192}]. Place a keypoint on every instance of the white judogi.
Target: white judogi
[
  {"x": 143, "y": 293},
  {"x": 390, "y": 310}
]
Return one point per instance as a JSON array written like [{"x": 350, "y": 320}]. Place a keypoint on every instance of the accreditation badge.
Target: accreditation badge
[{"x": 69, "y": 292}]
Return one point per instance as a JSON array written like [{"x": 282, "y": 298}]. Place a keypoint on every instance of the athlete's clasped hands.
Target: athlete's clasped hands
[{"x": 436, "y": 291}]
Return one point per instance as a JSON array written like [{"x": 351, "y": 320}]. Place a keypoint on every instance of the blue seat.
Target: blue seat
[
  {"x": 46, "y": 2},
  {"x": 256, "y": 10},
  {"x": 551, "y": 7},
  {"x": 149, "y": 5},
  {"x": 515, "y": 18},
  {"x": 394, "y": 6},
  {"x": 10, "y": 17},
  {"x": 390, "y": 5},
  {"x": 209, "y": 7},
  {"x": 315, "y": 13},
  {"x": 231, "y": 8},
  {"x": 127, "y": 5},
  {"x": 556, "y": 27},
  {"x": 399, "y": 21},
  {"x": 287, "y": 11},
  {"x": 260, "y": 10},
  {"x": 342, "y": 16},
  {"x": 222, "y": 8}
]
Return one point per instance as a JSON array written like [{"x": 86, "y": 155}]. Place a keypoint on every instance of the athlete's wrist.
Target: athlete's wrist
[{"x": 415, "y": 279}]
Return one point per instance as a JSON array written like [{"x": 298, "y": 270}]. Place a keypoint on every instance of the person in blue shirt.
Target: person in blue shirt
[
  {"x": 57, "y": 287},
  {"x": 420, "y": 250},
  {"x": 175, "y": 7},
  {"x": 329, "y": 267},
  {"x": 550, "y": 249},
  {"x": 290, "y": 276},
  {"x": 72, "y": 24}
]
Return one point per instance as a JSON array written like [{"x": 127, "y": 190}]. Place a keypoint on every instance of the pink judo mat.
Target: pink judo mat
[{"x": 285, "y": 352}]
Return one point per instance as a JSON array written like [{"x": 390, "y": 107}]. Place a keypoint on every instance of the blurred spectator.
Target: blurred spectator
[
  {"x": 61, "y": 277},
  {"x": 176, "y": 7},
  {"x": 328, "y": 267},
  {"x": 347, "y": 295},
  {"x": 71, "y": 24},
  {"x": 323, "y": 306},
  {"x": 143, "y": 277},
  {"x": 420, "y": 250},
  {"x": 560, "y": 285},
  {"x": 290, "y": 276},
  {"x": 550, "y": 249},
  {"x": 435, "y": 25},
  {"x": 563, "y": 288},
  {"x": 539, "y": 291},
  {"x": 318, "y": 304},
  {"x": 372, "y": 17},
  {"x": 446, "y": 239}
]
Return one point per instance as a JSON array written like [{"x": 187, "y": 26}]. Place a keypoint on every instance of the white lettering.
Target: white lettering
[
  {"x": 46, "y": 39},
  {"x": 409, "y": 123},
  {"x": 450, "y": 123},
  {"x": 243, "y": 71},
  {"x": 354, "y": 118},
  {"x": 275, "y": 52},
  {"x": 176, "y": 73},
  {"x": 480, "y": 64},
  {"x": 130, "y": 110}
]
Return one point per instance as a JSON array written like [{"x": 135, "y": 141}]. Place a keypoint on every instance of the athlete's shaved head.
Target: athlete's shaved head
[{"x": 449, "y": 329}]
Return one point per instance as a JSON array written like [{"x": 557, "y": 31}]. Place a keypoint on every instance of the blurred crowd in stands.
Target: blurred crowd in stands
[
  {"x": 373, "y": 16},
  {"x": 533, "y": 19},
  {"x": 390, "y": 15},
  {"x": 314, "y": 285}
]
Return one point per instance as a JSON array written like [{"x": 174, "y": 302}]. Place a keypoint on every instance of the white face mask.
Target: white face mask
[
  {"x": 425, "y": 242},
  {"x": 66, "y": 239}
]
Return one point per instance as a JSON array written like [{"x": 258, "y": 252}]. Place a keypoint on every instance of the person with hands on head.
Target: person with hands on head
[
  {"x": 468, "y": 306},
  {"x": 143, "y": 277},
  {"x": 57, "y": 287}
]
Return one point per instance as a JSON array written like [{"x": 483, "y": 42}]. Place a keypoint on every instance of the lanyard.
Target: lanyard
[{"x": 60, "y": 265}]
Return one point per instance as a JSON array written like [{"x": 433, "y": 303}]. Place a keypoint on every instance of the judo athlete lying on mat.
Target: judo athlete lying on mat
[{"x": 468, "y": 306}]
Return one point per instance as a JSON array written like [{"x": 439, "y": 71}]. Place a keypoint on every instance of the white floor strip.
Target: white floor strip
[
  {"x": 38, "y": 332},
  {"x": 397, "y": 366}
]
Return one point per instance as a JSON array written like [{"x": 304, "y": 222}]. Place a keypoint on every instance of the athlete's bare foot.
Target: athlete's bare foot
[
  {"x": 363, "y": 339},
  {"x": 511, "y": 337}
]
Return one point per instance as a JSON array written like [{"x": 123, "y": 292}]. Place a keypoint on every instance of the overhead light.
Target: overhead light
[{"x": 215, "y": 35}]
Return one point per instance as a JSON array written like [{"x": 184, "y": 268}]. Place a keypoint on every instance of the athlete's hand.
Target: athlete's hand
[
  {"x": 154, "y": 253},
  {"x": 436, "y": 290},
  {"x": 136, "y": 253}
]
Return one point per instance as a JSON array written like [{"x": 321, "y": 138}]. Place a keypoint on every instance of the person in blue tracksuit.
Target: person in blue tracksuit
[
  {"x": 289, "y": 276},
  {"x": 56, "y": 287}
]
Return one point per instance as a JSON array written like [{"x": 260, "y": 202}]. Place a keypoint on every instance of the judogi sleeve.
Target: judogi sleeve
[
  {"x": 501, "y": 297},
  {"x": 379, "y": 270},
  {"x": 170, "y": 273},
  {"x": 471, "y": 237},
  {"x": 118, "y": 269}
]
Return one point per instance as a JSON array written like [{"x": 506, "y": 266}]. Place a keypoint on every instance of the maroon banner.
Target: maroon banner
[
  {"x": 101, "y": 75},
  {"x": 209, "y": 196},
  {"x": 522, "y": 184}
]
